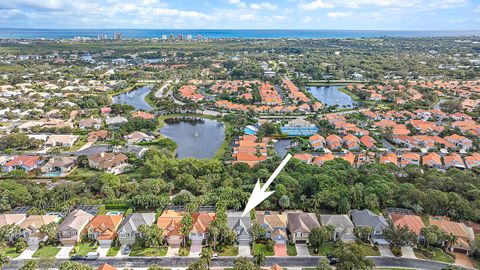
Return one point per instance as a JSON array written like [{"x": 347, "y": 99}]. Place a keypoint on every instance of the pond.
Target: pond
[
  {"x": 330, "y": 95},
  {"x": 195, "y": 137},
  {"x": 135, "y": 98}
]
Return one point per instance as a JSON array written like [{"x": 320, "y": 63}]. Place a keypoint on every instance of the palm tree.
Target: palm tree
[
  {"x": 4, "y": 260},
  {"x": 259, "y": 259},
  {"x": 206, "y": 256}
]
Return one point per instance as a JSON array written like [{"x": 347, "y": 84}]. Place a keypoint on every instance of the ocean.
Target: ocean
[{"x": 7, "y": 33}]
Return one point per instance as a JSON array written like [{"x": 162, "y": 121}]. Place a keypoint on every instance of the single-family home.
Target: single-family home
[
  {"x": 351, "y": 142},
  {"x": 73, "y": 227},
  {"x": 464, "y": 234},
  {"x": 389, "y": 158},
  {"x": 460, "y": 142},
  {"x": 111, "y": 162},
  {"x": 59, "y": 164},
  {"x": 115, "y": 121},
  {"x": 343, "y": 226},
  {"x": 453, "y": 160},
  {"x": 98, "y": 135},
  {"x": 242, "y": 226},
  {"x": 24, "y": 163},
  {"x": 409, "y": 158},
  {"x": 201, "y": 221},
  {"x": 90, "y": 123},
  {"x": 129, "y": 229},
  {"x": 143, "y": 115},
  {"x": 433, "y": 160},
  {"x": 412, "y": 222},
  {"x": 137, "y": 136},
  {"x": 300, "y": 225},
  {"x": 30, "y": 227},
  {"x": 103, "y": 228},
  {"x": 170, "y": 222},
  {"x": 317, "y": 142},
  {"x": 366, "y": 218},
  {"x": 334, "y": 142},
  {"x": 61, "y": 140},
  {"x": 305, "y": 157},
  {"x": 320, "y": 160},
  {"x": 9, "y": 219},
  {"x": 106, "y": 266},
  {"x": 473, "y": 160},
  {"x": 275, "y": 225}
]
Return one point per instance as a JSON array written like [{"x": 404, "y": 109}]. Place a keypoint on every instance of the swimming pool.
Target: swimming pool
[{"x": 114, "y": 213}]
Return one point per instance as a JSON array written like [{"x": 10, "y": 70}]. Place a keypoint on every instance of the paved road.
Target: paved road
[
  {"x": 228, "y": 262},
  {"x": 159, "y": 93}
]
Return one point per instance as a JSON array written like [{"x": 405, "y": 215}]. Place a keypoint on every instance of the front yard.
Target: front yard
[
  {"x": 10, "y": 252},
  {"x": 139, "y": 251},
  {"x": 227, "y": 251},
  {"x": 112, "y": 251},
  {"x": 369, "y": 250},
  {"x": 84, "y": 248},
  {"x": 324, "y": 249},
  {"x": 261, "y": 247},
  {"x": 439, "y": 255},
  {"x": 291, "y": 250},
  {"x": 46, "y": 252}
]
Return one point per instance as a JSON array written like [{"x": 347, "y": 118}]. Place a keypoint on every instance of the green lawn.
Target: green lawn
[
  {"x": 325, "y": 249},
  {"x": 369, "y": 251},
  {"x": 83, "y": 174},
  {"x": 112, "y": 251},
  {"x": 10, "y": 252},
  {"x": 46, "y": 252},
  {"x": 440, "y": 255},
  {"x": 291, "y": 250},
  {"x": 229, "y": 251},
  {"x": 139, "y": 251},
  {"x": 260, "y": 247},
  {"x": 85, "y": 247}
]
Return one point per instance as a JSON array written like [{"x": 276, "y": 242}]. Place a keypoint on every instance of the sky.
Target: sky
[{"x": 242, "y": 14}]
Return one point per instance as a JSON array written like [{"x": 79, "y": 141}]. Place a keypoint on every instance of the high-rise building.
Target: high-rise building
[
  {"x": 117, "y": 36},
  {"x": 189, "y": 37},
  {"x": 180, "y": 37},
  {"x": 164, "y": 37}
]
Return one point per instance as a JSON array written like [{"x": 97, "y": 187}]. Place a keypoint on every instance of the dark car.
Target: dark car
[
  {"x": 77, "y": 258},
  {"x": 332, "y": 259}
]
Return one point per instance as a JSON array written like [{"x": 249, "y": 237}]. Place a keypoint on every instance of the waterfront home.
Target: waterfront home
[
  {"x": 247, "y": 150},
  {"x": 129, "y": 229},
  {"x": 115, "y": 121},
  {"x": 103, "y": 228},
  {"x": 317, "y": 142},
  {"x": 275, "y": 225},
  {"x": 72, "y": 228},
  {"x": 464, "y": 234},
  {"x": 137, "y": 137},
  {"x": 300, "y": 225},
  {"x": 412, "y": 222},
  {"x": 30, "y": 227},
  {"x": 61, "y": 140},
  {"x": 242, "y": 226},
  {"x": 61, "y": 165},
  {"x": 107, "y": 161},
  {"x": 170, "y": 222},
  {"x": 24, "y": 163},
  {"x": 90, "y": 123},
  {"x": 143, "y": 115},
  {"x": 343, "y": 226},
  {"x": 365, "y": 218}
]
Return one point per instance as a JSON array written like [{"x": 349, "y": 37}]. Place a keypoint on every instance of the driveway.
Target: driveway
[
  {"x": 407, "y": 252},
  {"x": 280, "y": 250},
  {"x": 302, "y": 250},
  {"x": 463, "y": 260},
  {"x": 85, "y": 146},
  {"x": 385, "y": 251},
  {"x": 64, "y": 252},
  {"x": 27, "y": 253},
  {"x": 102, "y": 251},
  {"x": 172, "y": 251},
  {"x": 244, "y": 251},
  {"x": 121, "y": 252},
  {"x": 196, "y": 248}
]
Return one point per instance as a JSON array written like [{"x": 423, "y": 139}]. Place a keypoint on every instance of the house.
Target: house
[
  {"x": 110, "y": 162},
  {"x": 98, "y": 135},
  {"x": 368, "y": 142},
  {"x": 137, "y": 136},
  {"x": 143, "y": 115},
  {"x": 351, "y": 142},
  {"x": 24, "y": 163},
  {"x": 9, "y": 219},
  {"x": 412, "y": 222},
  {"x": 389, "y": 158},
  {"x": 433, "y": 160},
  {"x": 61, "y": 140},
  {"x": 320, "y": 160},
  {"x": 136, "y": 150},
  {"x": 365, "y": 218},
  {"x": 103, "y": 228},
  {"x": 275, "y": 225},
  {"x": 300, "y": 225},
  {"x": 115, "y": 121},
  {"x": 106, "y": 266},
  {"x": 60, "y": 164},
  {"x": 93, "y": 123},
  {"x": 473, "y": 160},
  {"x": 409, "y": 158},
  {"x": 129, "y": 229},
  {"x": 30, "y": 227},
  {"x": 317, "y": 142},
  {"x": 105, "y": 111},
  {"x": 343, "y": 226},
  {"x": 73, "y": 227},
  {"x": 307, "y": 158},
  {"x": 201, "y": 221},
  {"x": 453, "y": 160},
  {"x": 464, "y": 234},
  {"x": 169, "y": 222},
  {"x": 460, "y": 142},
  {"x": 242, "y": 226},
  {"x": 334, "y": 142}
]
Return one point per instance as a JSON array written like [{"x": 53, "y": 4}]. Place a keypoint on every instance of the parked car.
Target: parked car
[
  {"x": 91, "y": 256},
  {"x": 214, "y": 256},
  {"x": 332, "y": 259},
  {"x": 77, "y": 258}
]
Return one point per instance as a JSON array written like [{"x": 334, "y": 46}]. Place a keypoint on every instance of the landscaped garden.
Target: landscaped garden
[
  {"x": 325, "y": 249},
  {"x": 230, "y": 250},
  {"x": 434, "y": 253},
  {"x": 140, "y": 251},
  {"x": 263, "y": 248},
  {"x": 112, "y": 251},
  {"x": 46, "y": 252},
  {"x": 83, "y": 248},
  {"x": 10, "y": 252}
]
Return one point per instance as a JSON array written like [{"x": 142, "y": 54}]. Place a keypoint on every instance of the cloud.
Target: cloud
[
  {"x": 336, "y": 15},
  {"x": 263, "y": 6},
  {"x": 238, "y": 3},
  {"x": 317, "y": 4}
]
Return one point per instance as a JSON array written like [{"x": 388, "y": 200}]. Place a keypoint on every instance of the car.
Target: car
[
  {"x": 126, "y": 250},
  {"x": 214, "y": 256},
  {"x": 91, "y": 256},
  {"x": 77, "y": 258},
  {"x": 332, "y": 259}
]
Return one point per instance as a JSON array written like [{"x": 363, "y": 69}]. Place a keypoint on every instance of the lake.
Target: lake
[
  {"x": 330, "y": 95},
  {"x": 196, "y": 137},
  {"x": 135, "y": 98}
]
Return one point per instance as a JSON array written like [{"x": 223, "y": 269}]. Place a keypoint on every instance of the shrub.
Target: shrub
[
  {"x": 20, "y": 246},
  {"x": 270, "y": 245},
  {"x": 397, "y": 251}
]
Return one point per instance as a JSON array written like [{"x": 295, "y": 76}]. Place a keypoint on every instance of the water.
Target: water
[
  {"x": 330, "y": 95},
  {"x": 221, "y": 33},
  {"x": 135, "y": 98},
  {"x": 196, "y": 138}
]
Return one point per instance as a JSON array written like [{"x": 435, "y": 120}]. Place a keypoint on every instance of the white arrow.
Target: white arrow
[{"x": 260, "y": 194}]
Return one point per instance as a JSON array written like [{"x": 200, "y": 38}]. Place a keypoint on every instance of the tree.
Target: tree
[
  {"x": 284, "y": 202},
  {"x": 352, "y": 257},
  {"x": 50, "y": 230},
  {"x": 198, "y": 265},
  {"x": 324, "y": 264},
  {"x": 9, "y": 232},
  {"x": 187, "y": 223},
  {"x": 152, "y": 236},
  {"x": 214, "y": 232},
  {"x": 206, "y": 256},
  {"x": 4, "y": 260},
  {"x": 243, "y": 263},
  {"x": 30, "y": 265},
  {"x": 318, "y": 236},
  {"x": 74, "y": 266},
  {"x": 156, "y": 267},
  {"x": 259, "y": 259},
  {"x": 399, "y": 236},
  {"x": 363, "y": 233}
]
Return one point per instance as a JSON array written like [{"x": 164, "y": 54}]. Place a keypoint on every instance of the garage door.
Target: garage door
[
  {"x": 301, "y": 242},
  {"x": 460, "y": 250}
]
